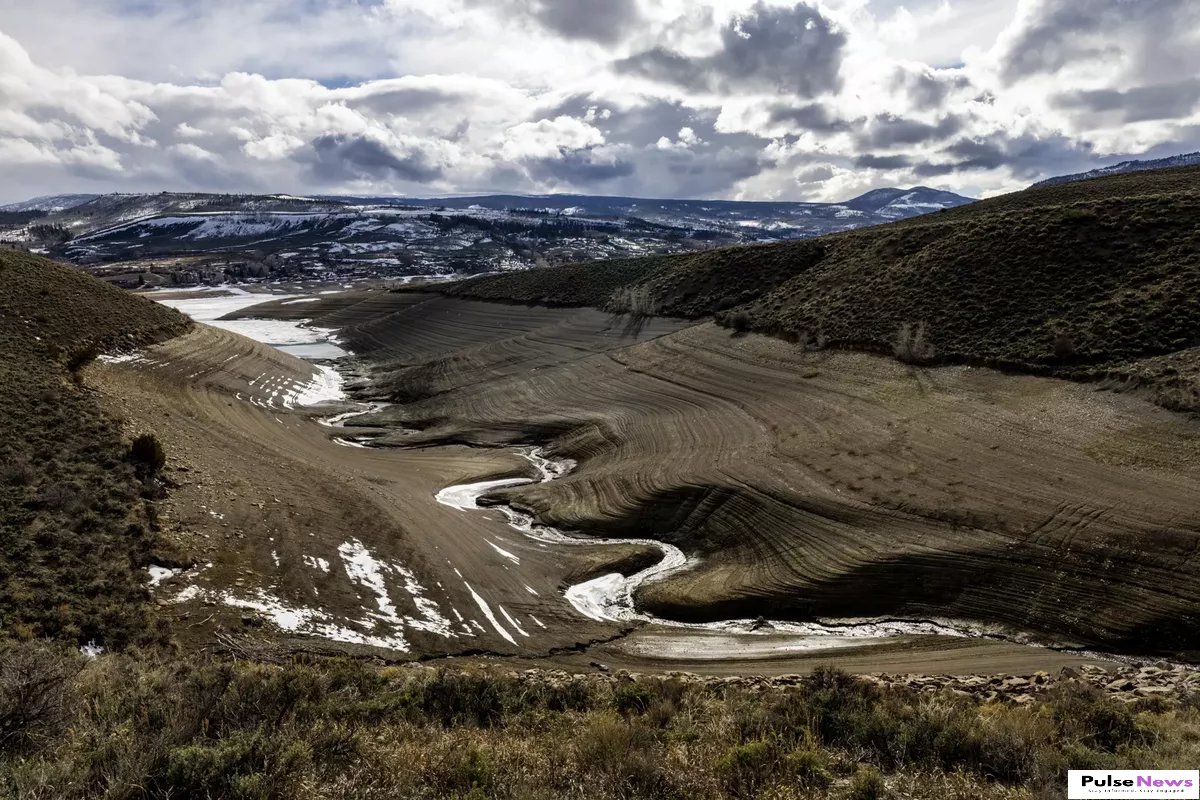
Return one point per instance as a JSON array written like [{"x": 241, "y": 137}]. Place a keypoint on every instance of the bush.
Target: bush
[
  {"x": 748, "y": 769},
  {"x": 81, "y": 358},
  {"x": 1064, "y": 347},
  {"x": 636, "y": 301},
  {"x": 740, "y": 321},
  {"x": 911, "y": 346},
  {"x": 868, "y": 785},
  {"x": 633, "y": 698},
  {"x": 807, "y": 768},
  {"x": 34, "y": 689},
  {"x": 147, "y": 454}
]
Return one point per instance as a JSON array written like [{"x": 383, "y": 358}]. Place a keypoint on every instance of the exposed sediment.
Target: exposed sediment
[{"x": 831, "y": 484}]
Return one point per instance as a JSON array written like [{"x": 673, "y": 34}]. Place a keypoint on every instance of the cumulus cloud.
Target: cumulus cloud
[
  {"x": 749, "y": 99},
  {"x": 793, "y": 51}
]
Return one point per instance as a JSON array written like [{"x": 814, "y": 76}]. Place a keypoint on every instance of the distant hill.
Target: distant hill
[
  {"x": 195, "y": 238},
  {"x": 1126, "y": 166},
  {"x": 1061, "y": 279},
  {"x": 893, "y": 203},
  {"x": 50, "y": 203}
]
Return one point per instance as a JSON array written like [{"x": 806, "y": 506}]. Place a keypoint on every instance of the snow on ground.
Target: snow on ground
[
  {"x": 290, "y": 336},
  {"x": 367, "y": 571},
  {"x": 159, "y": 574},
  {"x": 317, "y": 563},
  {"x": 487, "y": 612}
]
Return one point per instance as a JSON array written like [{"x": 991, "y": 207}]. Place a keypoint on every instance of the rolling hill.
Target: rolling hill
[
  {"x": 78, "y": 532},
  {"x": 1182, "y": 160},
  {"x": 1070, "y": 279}
]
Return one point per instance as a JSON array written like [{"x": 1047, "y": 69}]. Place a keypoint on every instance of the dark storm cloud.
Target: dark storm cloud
[
  {"x": 1162, "y": 101},
  {"x": 639, "y": 126},
  {"x": 786, "y": 50},
  {"x": 930, "y": 89},
  {"x": 341, "y": 157},
  {"x": 1063, "y": 31},
  {"x": 882, "y": 162},
  {"x": 708, "y": 166},
  {"x": 642, "y": 126},
  {"x": 602, "y": 21},
  {"x": 888, "y": 131},
  {"x": 1027, "y": 157},
  {"x": 580, "y": 167},
  {"x": 812, "y": 117},
  {"x": 667, "y": 66}
]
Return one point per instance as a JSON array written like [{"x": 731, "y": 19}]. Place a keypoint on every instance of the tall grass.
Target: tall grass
[{"x": 130, "y": 726}]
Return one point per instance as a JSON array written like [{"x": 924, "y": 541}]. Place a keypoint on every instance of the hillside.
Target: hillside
[
  {"x": 77, "y": 534},
  {"x": 1135, "y": 165},
  {"x": 1063, "y": 278}
]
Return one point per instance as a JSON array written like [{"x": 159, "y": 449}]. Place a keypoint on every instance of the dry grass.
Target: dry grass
[
  {"x": 77, "y": 533},
  {"x": 147, "y": 726}
]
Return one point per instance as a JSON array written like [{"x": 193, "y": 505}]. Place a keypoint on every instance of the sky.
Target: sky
[{"x": 731, "y": 99}]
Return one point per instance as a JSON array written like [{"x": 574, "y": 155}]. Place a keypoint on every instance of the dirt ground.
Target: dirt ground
[{"x": 827, "y": 484}]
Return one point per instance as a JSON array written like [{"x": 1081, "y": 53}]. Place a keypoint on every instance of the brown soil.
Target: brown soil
[{"x": 810, "y": 484}]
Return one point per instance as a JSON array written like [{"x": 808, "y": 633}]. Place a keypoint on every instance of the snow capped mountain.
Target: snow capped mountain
[
  {"x": 903, "y": 203},
  {"x": 1183, "y": 160},
  {"x": 50, "y": 203}
]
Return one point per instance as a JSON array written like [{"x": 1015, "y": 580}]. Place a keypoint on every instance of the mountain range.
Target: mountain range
[{"x": 190, "y": 237}]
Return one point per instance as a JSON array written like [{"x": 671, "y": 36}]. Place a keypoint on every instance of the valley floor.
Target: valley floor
[{"x": 807, "y": 484}]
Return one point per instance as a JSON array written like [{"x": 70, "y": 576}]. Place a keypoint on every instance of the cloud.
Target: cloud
[
  {"x": 794, "y": 51},
  {"x": 605, "y": 21},
  {"x": 883, "y": 162},
  {"x": 750, "y": 99},
  {"x": 1140, "y": 37},
  {"x": 811, "y": 117},
  {"x": 886, "y": 131},
  {"x": 582, "y": 167},
  {"x": 341, "y": 157},
  {"x": 929, "y": 89},
  {"x": 1027, "y": 156},
  {"x": 1142, "y": 103}
]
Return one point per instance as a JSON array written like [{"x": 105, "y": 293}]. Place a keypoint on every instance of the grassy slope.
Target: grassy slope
[
  {"x": 1061, "y": 278},
  {"x": 75, "y": 533},
  {"x": 128, "y": 727}
]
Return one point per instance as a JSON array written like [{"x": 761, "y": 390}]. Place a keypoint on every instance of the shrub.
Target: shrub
[
  {"x": 81, "y": 358},
  {"x": 633, "y": 698},
  {"x": 807, "y": 768},
  {"x": 1078, "y": 214},
  {"x": 867, "y": 785},
  {"x": 740, "y": 321},
  {"x": 911, "y": 346},
  {"x": 636, "y": 301},
  {"x": 34, "y": 689},
  {"x": 16, "y": 473},
  {"x": 1064, "y": 347},
  {"x": 747, "y": 769},
  {"x": 147, "y": 453},
  {"x": 453, "y": 699}
]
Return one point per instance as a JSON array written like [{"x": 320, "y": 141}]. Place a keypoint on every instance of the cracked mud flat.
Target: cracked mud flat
[{"x": 841, "y": 487}]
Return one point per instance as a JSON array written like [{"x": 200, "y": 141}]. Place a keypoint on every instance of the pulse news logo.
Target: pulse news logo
[{"x": 1140, "y": 783}]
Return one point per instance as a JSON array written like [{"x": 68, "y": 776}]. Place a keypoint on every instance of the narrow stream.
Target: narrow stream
[{"x": 609, "y": 598}]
